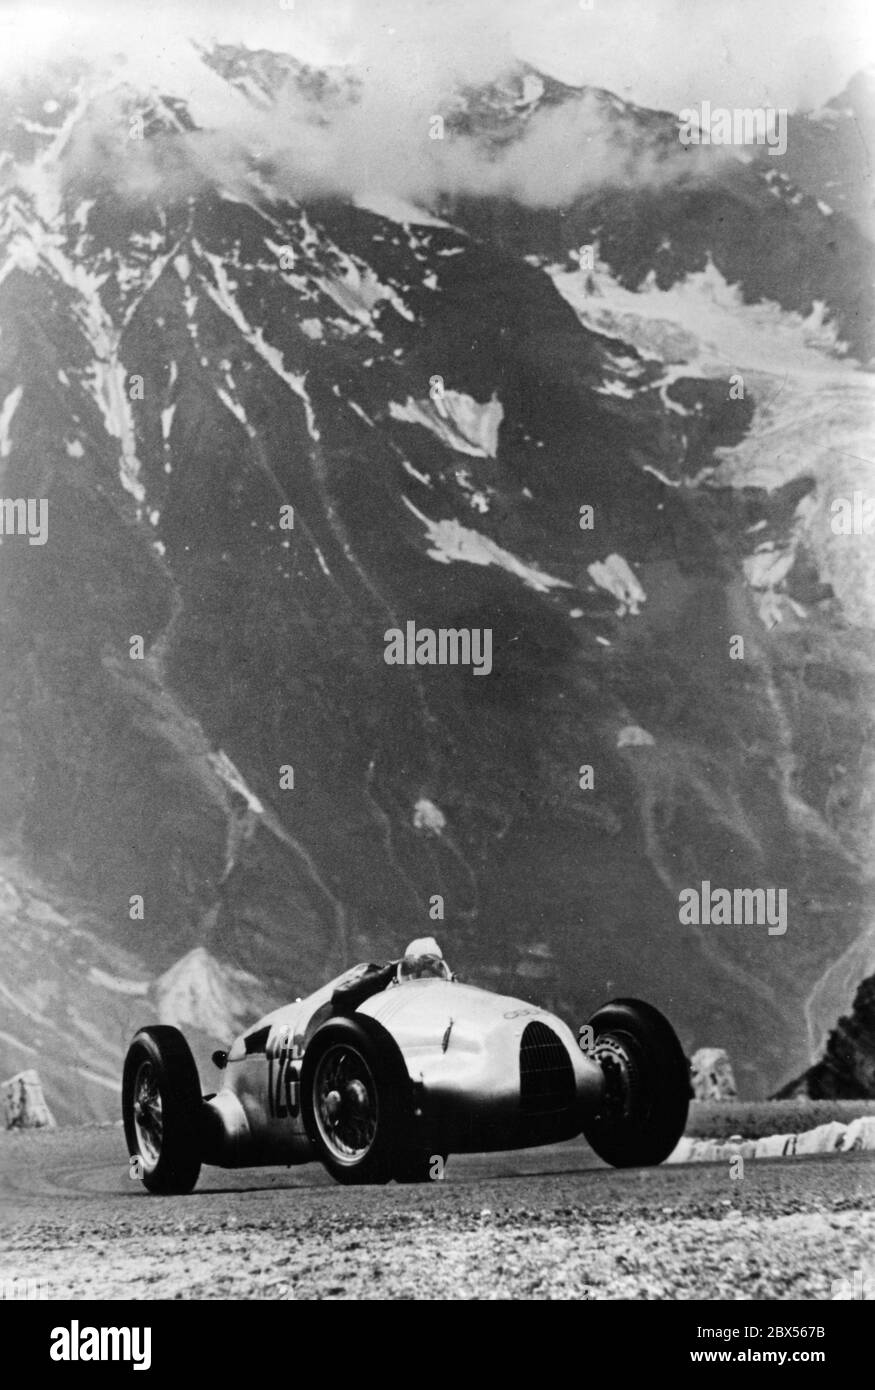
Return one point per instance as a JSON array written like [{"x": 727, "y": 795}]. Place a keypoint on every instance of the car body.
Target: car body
[
  {"x": 463, "y": 1049},
  {"x": 379, "y": 1084}
]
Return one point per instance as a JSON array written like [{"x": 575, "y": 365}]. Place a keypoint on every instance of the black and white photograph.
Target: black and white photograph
[{"x": 437, "y": 663}]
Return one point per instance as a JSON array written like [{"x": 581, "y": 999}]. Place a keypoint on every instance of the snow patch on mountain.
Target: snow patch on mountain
[
  {"x": 7, "y": 410},
  {"x": 396, "y": 209},
  {"x": 615, "y": 575},
  {"x": 633, "y": 736},
  {"x": 764, "y": 571},
  {"x": 813, "y": 414},
  {"x": 358, "y": 291},
  {"x": 428, "y": 817},
  {"x": 227, "y": 772},
  {"x": 451, "y": 541},
  {"x": 533, "y": 90},
  {"x": 116, "y": 983},
  {"x": 615, "y": 388},
  {"x": 33, "y": 245},
  {"x": 236, "y": 409},
  {"x": 703, "y": 321},
  {"x": 460, "y": 422},
  {"x": 822, "y": 431},
  {"x": 107, "y": 385},
  {"x": 222, "y": 295}
]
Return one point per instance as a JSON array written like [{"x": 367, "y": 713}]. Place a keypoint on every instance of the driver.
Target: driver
[{"x": 423, "y": 959}]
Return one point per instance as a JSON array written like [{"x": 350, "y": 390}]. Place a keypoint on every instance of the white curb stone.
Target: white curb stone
[
  {"x": 826, "y": 1139},
  {"x": 860, "y": 1134},
  {"x": 856, "y": 1137}
]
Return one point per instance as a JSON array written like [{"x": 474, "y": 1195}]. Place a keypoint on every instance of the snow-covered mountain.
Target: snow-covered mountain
[
  {"x": 271, "y": 425},
  {"x": 829, "y": 152}
]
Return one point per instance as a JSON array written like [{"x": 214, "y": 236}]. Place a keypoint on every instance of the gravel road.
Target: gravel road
[{"x": 544, "y": 1223}]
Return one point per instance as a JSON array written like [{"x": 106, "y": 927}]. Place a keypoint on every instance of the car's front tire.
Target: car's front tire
[
  {"x": 161, "y": 1108},
  {"x": 643, "y": 1110},
  {"x": 356, "y": 1099}
]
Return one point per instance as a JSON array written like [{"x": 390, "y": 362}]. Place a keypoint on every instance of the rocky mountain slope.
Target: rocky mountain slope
[
  {"x": 846, "y": 1071},
  {"x": 270, "y": 428}
]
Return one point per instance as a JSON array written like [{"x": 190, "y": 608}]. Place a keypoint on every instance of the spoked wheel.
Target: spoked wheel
[
  {"x": 643, "y": 1110},
  {"x": 161, "y": 1107},
  {"x": 148, "y": 1114},
  {"x": 345, "y": 1103},
  {"x": 355, "y": 1094}
]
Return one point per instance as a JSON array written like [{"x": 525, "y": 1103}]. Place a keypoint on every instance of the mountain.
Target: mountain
[
  {"x": 75, "y": 987},
  {"x": 829, "y": 151},
  {"x": 198, "y": 993},
  {"x": 847, "y": 1069},
  {"x": 226, "y": 393}
]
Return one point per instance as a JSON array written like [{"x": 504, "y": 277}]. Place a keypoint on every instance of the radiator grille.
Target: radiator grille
[{"x": 546, "y": 1074}]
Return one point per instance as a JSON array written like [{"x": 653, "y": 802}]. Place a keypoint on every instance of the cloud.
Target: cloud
[
  {"x": 375, "y": 139},
  {"x": 382, "y": 144},
  {"x": 666, "y": 53},
  {"x": 410, "y": 59}
]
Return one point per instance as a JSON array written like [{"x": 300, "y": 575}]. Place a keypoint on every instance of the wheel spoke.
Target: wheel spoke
[
  {"x": 345, "y": 1103},
  {"x": 148, "y": 1114},
  {"x": 623, "y": 1082}
]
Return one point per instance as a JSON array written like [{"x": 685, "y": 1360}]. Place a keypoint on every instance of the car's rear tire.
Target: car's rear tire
[
  {"x": 643, "y": 1112},
  {"x": 356, "y": 1100},
  {"x": 161, "y": 1108}
]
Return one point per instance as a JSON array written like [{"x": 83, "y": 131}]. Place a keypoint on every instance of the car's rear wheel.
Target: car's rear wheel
[
  {"x": 161, "y": 1107},
  {"x": 356, "y": 1099},
  {"x": 643, "y": 1110}
]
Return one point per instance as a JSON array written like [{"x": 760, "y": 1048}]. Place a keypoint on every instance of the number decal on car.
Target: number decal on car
[{"x": 283, "y": 1081}]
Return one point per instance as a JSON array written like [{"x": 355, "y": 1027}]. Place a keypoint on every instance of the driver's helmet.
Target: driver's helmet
[{"x": 423, "y": 960}]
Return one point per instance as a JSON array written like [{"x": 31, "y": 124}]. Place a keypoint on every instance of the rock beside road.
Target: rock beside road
[
  {"x": 24, "y": 1105},
  {"x": 712, "y": 1075}
]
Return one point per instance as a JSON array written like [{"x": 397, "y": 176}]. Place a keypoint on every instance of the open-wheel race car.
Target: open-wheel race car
[{"x": 386, "y": 1069}]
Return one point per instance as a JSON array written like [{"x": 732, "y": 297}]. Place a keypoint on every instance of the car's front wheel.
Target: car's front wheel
[
  {"x": 161, "y": 1107},
  {"x": 643, "y": 1109},
  {"x": 356, "y": 1100}
]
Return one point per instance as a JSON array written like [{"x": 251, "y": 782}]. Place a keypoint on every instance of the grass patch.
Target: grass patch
[{"x": 755, "y": 1119}]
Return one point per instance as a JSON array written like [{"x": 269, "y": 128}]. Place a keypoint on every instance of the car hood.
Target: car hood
[{"x": 426, "y": 1007}]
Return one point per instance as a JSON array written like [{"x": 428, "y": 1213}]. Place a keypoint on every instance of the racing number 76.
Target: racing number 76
[{"x": 283, "y": 1088}]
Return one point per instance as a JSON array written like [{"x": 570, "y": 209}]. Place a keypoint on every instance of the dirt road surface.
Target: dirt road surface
[{"x": 544, "y": 1223}]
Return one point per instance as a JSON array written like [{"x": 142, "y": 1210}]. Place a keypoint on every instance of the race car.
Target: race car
[{"x": 387, "y": 1070}]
